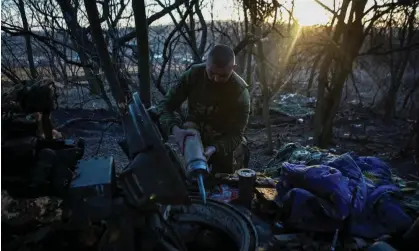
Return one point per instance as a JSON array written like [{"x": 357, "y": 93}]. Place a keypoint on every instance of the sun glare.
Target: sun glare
[{"x": 308, "y": 13}]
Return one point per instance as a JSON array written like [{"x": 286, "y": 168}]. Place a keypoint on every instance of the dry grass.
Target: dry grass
[
  {"x": 73, "y": 71},
  {"x": 22, "y": 73}
]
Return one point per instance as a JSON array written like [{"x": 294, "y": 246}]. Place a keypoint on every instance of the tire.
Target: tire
[{"x": 220, "y": 216}]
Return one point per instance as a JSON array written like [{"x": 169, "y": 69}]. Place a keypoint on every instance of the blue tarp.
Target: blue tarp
[{"x": 349, "y": 192}]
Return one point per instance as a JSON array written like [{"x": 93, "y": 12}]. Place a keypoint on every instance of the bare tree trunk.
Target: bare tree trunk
[
  {"x": 265, "y": 95},
  {"x": 29, "y": 52},
  {"x": 400, "y": 60},
  {"x": 103, "y": 53},
  {"x": 396, "y": 82},
  {"x": 249, "y": 57},
  {"x": 411, "y": 92},
  {"x": 329, "y": 107},
  {"x": 204, "y": 30},
  {"x": 313, "y": 74},
  {"x": 337, "y": 64},
  {"x": 256, "y": 21},
  {"x": 249, "y": 52},
  {"x": 192, "y": 35},
  {"x": 141, "y": 28},
  {"x": 81, "y": 44}
]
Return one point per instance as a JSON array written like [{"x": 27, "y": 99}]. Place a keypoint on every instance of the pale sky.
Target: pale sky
[{"x": 307, "y": 12}]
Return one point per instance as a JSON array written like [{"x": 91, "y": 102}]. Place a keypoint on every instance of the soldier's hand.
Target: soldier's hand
[
  {"x": 180, "y": 136},
  {"x": 209, "y": 151}
]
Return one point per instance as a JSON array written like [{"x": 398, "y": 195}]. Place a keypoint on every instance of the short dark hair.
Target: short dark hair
[{"x": 221, "y": 55}]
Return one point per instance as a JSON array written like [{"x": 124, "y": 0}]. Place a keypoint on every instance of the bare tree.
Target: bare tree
[
  {"x": 105, "y": 59},
  {"x": 350, "y": 26},
  {"x": 143, "y": 50},
  {"x": 27, "y": 37},
  {"x": 260, "y": 11},
  {"x": 402, "y": 26}
]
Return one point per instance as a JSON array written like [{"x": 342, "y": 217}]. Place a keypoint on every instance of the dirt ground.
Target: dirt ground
[{"x": 359, "y": 131}]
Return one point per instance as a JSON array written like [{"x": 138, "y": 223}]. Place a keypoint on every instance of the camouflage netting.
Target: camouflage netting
[
  {"x": 410, "y": 191},
  {"x": 296, "y": 153},
  {"x": 293, "y": 105}
]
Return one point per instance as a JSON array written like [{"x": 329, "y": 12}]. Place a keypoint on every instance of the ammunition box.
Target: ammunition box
[{"x": 91, "y": 192}]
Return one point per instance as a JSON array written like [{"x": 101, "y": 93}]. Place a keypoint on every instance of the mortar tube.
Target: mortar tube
[
  {"x": 201, "y": 188},
  {"x": 197, "y": 169},
  {"x": 197, "y": 165}
]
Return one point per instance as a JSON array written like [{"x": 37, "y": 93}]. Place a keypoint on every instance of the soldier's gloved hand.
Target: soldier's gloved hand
[
  {"x": 180, "y": 136},
  {"x": 209, "y": 151}
]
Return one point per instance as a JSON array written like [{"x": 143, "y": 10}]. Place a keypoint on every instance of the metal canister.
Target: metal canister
[{"x": 247, "y": 178}]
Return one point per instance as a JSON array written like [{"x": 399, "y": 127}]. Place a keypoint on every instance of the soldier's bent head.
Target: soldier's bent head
[{"x": 220, "y": 63}]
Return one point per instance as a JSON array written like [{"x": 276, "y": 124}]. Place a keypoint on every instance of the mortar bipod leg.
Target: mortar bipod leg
[
  {"x": 134, "y": 114},
  {"x": 136, "y": 99}
]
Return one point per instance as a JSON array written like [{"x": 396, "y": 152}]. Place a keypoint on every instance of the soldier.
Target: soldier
[{"x": 218, "y": 107}]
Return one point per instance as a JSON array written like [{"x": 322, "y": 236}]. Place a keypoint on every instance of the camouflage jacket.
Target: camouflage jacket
[{"x": 220, "y": 111}]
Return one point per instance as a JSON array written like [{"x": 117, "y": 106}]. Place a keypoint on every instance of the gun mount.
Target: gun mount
[
  {"x": 149, "y": 187},
  {"x": 151, "y": 170},
  {"x": 148, "y": 182},
  {"x": 143, "y": 181},
  {"x": 146, "y": 206}
]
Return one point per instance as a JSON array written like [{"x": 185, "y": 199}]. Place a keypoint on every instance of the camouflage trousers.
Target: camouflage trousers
[
  {"x": 231, "y": 162},
  {"x": 222, "y": 163}
]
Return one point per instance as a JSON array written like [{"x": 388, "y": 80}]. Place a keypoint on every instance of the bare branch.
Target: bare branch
[{"x": 150, "y": 20}]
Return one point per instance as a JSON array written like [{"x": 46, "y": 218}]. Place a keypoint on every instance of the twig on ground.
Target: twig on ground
[{"x": 101, "y": 138}]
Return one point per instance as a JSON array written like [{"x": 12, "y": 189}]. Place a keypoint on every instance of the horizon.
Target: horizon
[{"x": 306, "y": 12}]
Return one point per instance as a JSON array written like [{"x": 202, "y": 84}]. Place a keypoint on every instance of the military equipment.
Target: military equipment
[
  {"x": 196, "y": 163},
  {"x": 128, "y": 209},
  {"x": 222, "y": 218},
  {"x": 92, "y": 189},
  {"x": 151, "y": 170},
  {"x": 247, "y": 179}
]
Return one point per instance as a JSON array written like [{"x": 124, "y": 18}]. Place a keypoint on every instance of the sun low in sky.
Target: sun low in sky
[{"x": 308, "y": 13}]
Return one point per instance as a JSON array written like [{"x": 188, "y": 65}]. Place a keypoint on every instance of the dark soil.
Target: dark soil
[
  {"x": 361, "y": 131},
  {"x": 99, "y": 128}
]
